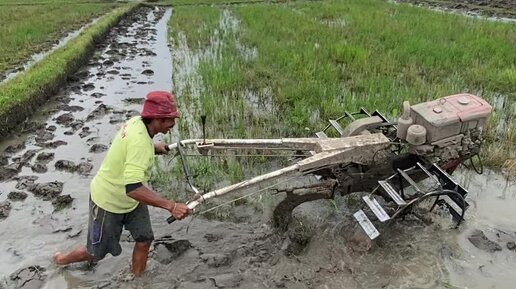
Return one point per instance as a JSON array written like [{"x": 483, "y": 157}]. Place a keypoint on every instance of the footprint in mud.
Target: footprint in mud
[{"x": 148, "y": 72}]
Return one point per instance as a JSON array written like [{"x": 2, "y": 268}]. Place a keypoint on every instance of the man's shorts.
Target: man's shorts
[{"x": 105, "y": 228}]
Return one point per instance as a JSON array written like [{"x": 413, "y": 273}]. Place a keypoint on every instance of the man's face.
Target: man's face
[{"x": 166, "y": 124}]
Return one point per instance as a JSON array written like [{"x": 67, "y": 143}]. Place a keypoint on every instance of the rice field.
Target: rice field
[
  {"x": 28, "y": 29},
  {"x": 284, "y": 69}
]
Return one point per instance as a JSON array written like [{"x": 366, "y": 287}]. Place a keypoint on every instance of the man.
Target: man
[{"x": 119, "y": 195}]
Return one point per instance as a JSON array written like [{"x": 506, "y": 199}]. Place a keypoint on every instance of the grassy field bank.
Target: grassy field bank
[
  {"x": 45, "y": 2},
  {"x": 217, "y": 2},
  {"x": 21, "y": 95},
  {"x": 26, "y": 30},
  {"x": 265, "y": 70}
]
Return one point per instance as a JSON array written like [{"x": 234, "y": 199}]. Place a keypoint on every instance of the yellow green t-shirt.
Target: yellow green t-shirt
[{"x": 127, "y": 161}]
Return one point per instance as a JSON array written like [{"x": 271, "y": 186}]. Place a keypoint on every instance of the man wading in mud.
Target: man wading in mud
[{"x": 119, "y": 196}]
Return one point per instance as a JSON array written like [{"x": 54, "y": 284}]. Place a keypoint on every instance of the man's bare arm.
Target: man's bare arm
[{"x": 144, "y": 195}]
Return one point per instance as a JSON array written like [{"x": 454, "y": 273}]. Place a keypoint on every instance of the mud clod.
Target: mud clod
[
  {"x": 98, "y": 148},
  {"x": 99, "y": 112},
  {"x": 24, "y": 160},
  {"x": 65, "y": 119},
  {"x": 7, "y": 172},
  {"x": 54, "y": 144},
  {"x": 12, "y": 149},
  {"x": 85, "y": 132},
  {"x": 74, "y": 108},
  {"x": 97, "y": 95},
  {"x": 88, "y": 87},
  {"x": 65, "y": 165},
  {"x": 5, "y": 209},
  {"x": 135, "y": 100},
  {"x": 17, "y": 196},
  {"x": 62, "y": 202},
  {"x": 31, "y": 277},
  {"x": 166, "y": 249},
  {"x": 84, "y": 168},
  {"x": 479, "y": 239},
  {"x": 47, "y": 191},
  {"x": 45, "y": 157},
  {"x": 43, "y": 135},
  {"x": 25, "y": 182},
  {"x": 39, "y": 168}
]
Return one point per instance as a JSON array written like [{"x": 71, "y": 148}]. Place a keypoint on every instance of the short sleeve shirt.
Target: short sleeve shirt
[{"x": 128, "y": 161}]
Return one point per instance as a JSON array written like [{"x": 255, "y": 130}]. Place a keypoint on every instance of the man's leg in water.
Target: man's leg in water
[
  {"x": 140, "y": 255},
  {"x": 79, "y": 254},
  {"x": 138, "y": 223}
]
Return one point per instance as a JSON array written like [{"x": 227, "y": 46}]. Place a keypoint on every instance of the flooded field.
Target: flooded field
[{"x": 46, "y": 168}]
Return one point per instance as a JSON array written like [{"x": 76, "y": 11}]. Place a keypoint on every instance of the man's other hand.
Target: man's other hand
[{"x": 161, "y": 148}]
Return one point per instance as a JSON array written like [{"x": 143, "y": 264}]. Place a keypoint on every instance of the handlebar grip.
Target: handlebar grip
[{"x": 171, "y": 219}]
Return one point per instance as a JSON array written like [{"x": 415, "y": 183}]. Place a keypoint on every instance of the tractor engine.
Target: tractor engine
[{"x": 444, "y": 129}]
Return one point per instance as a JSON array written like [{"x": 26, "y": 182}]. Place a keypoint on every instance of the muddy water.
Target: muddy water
[{"x": 316, "y": 252}]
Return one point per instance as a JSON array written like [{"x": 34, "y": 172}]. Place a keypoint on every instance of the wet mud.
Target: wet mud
[
  {"x": 490, "y": 8},
  {"x": 44, "y": 189}
]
